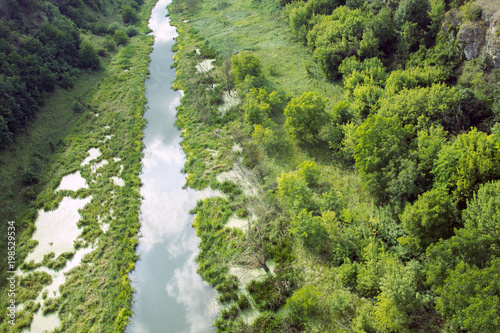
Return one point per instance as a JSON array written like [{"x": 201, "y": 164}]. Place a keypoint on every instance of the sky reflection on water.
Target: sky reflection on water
[{"x": 170, "y": 296}]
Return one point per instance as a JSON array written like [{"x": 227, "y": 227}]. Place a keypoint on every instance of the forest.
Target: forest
[{"x": 370, "y": 132}]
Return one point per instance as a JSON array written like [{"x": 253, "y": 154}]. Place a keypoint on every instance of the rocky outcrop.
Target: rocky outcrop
[
  {"x": 475, "y": 38},
  {"x": 471, "y": 38},
  {"x": 492, "y": 39}
]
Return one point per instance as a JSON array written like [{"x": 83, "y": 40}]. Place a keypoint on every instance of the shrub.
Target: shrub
[
  {"x": 271, "y": 293},
  {"x": 132, "y": 31},
  {"x": 120, "y": 37}
]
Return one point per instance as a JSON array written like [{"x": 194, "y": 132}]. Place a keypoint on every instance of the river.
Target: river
[{"x": 169, "y": 295}]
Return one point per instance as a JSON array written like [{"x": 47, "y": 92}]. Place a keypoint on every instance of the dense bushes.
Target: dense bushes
[{"x": 383, "y": 247}]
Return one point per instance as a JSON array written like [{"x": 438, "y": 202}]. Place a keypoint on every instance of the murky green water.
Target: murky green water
[{"x": 170, "y": 296}]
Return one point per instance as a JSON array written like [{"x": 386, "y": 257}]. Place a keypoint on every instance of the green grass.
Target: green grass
[{"x": 244, "y": 25}]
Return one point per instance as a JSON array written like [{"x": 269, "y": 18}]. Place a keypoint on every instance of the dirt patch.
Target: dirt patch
[
  {"x": 72, "y": 182},
  {"x": 240, "y": 176},
  {"x": 93, "y": 154},
  {"x": 205, "y": 66}
]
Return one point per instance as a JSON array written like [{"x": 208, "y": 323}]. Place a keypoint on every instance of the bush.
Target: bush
[
  {"x": 29, "y": 176},
  {"x": 120, "y": 37},
  {"x": 132, "y": 31},
  {"x": 113, "y": 27},
  {"x": 109, "y": 43},
  {"x": 270, "y": 294},
  {"x": 129, "y": 15},
  {"x": 78, "y": 107},
  {"x": 230, "y": 188}
]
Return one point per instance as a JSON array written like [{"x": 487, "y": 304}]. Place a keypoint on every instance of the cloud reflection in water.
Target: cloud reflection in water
[{"x": 190, "y": 290}]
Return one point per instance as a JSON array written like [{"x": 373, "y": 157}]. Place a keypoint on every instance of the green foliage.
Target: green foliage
[
  {"x": 271, "y": 293},
  {"x": 230, "y": 188},
  {"x": 245, "y": 64},
  {"x": 413, "y": 11},
  {"x": 369, "y": 45},
  {"x": 471, "y": 11},
  {"x": 467, "y": 162},
  {"x": 256, "y": 109},
  {"x": 429, "y": 143},
  {"x": 432, "y": 217},
  {"x": 305, "y": 115},
  {"x": 304, "y": 303},
  {"x": 132, "y": 31},
  {"x": 483, "y": 211},
  {"x": 434, "y": 105},
  {"x": 336, "y": 37},
  {"x": 294, "y": 193},
  {"x": 78, "y": 106},
  {"x": 381, "y": 145},
  {"x": 88, "y": 56},
  {"x": 129, "y": 14},
  {"x": 311, "y": 230},
  {"x": 470, "y": 298},
  {"x": 120, "y": 37},
  {"x": 399, "y": 300},
  {"x": 414, "y": 77}
]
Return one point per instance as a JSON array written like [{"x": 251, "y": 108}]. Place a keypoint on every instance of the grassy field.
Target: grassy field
[{"x": 230, "y": 26}]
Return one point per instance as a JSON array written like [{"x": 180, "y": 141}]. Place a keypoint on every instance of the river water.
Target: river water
[{"x": 169, "y": 295}]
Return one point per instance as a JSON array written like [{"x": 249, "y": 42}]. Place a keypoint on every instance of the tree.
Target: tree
[
  {"x": 470, "y": 298},
  {"x": 432, "y": 217},
  {"x": 381, "y": 145},
  {"x": 120, "y": 37},
  {"x": 413, "y": 11},
  {"x": 129, "y": 14},
  {"x": 294, "y": 193},
  {"x": 5, "y": 134},
  {"x": 400, "y": 297},
  {"x": 306, "y": 115},
  {"x": 475, "y": 244},
  {"x": 422, "y": 106},
  {"x": 472, "y": 159},
  {"x": 88, "y": 56},
  {"x": 368, "y": 47},
  {"x": 244, "y": 64},
  {"x": 254, "y": 247},
  {"x": 483, "y": 211}
]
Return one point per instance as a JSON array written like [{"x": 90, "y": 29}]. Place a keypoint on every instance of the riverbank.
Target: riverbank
[
  {"x": 103, "y": 150},
  {"x": 247, "y": 251}
]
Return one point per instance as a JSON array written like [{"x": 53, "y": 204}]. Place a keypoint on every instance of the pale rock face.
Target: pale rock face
[
  {"x": 480, "y": 37},
  {"x": 471, "y": 38}
]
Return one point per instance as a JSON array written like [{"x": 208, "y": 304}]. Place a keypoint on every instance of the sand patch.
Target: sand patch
[
  {"x": 118, "y": 181},
  {"x": 205, "y": 66},
  {"x": 57, "y": 230},
  {"x": 72, "y": 182},
  {"x": 95, "y": 167},
  {"x": 238, "y": 222},
  {"x": 59, "y": 277},
  {"x": 240, "y": 176},
  {"x": 245, "y": 275},
  {"x": 93, "y": 154},
  {"x": 230, "y": 99},
  {"x": 43, "y": 323}
]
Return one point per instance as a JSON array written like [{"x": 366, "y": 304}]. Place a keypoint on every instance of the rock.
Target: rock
[{"x": 471, "y": 38}]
